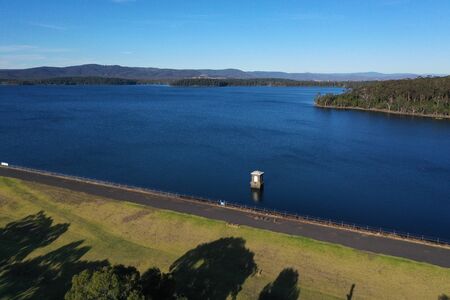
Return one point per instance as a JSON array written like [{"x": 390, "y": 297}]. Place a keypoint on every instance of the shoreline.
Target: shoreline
[
  {"x": 385, "y": 111},
  {"x": 409, "y": 247}
]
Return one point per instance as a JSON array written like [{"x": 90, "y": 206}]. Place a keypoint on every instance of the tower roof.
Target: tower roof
[{"x": 258, "y": 173}]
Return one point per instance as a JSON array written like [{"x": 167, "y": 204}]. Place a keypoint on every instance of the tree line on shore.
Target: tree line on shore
[
  {"x": 421, "y": 96},
  {"x": 187, "y": 82},
  {"x": 80, "y": 81},
  {"x": 275, "y": 82}
]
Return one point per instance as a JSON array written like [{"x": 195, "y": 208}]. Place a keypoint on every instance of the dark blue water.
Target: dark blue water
[{"x": 373, "y": 169}]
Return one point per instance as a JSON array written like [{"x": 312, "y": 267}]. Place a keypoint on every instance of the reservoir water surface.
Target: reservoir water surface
[{"x": 372, "y": 169}]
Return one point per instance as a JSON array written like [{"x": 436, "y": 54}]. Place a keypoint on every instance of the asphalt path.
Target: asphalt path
[{"x": 367, "y": 242}]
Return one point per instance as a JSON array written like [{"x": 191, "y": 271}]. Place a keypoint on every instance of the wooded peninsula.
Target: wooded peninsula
[{"x": 427, "y": 97}]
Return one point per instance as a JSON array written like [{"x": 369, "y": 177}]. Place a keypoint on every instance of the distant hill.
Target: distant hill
[{"x": 141, "y": 73}]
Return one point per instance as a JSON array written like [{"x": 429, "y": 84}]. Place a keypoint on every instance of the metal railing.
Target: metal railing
[{"x": 268, "y": 212}]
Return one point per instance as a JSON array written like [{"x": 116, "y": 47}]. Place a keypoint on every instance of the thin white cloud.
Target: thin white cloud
[
  {"x": 30, "y": 49},
  {"x": 14, "y": 61},
  {"x": 53, "y": 50},
  {"x": 16, "y": 48},
  {"x": 23, "y": 56},
  {"x": 49, "y": 26}
]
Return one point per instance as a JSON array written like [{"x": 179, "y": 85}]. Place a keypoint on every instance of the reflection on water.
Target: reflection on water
[{"x": 257, "y": 194}]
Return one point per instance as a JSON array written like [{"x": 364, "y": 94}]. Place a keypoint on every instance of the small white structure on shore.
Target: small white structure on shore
[
  {"x": 3, "y": 164},
  {"x": 257, "y": 179}
]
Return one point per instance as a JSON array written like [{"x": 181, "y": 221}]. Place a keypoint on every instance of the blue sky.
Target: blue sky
[{"x": 294, "y": 36}]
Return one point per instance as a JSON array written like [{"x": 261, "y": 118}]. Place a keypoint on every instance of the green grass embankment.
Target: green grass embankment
[{"x": 85, "y": 230}]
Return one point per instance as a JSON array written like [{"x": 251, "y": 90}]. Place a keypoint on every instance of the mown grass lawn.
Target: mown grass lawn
[{"x": 86, "y": 231}]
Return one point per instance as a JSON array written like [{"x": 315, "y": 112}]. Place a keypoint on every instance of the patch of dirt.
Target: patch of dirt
[
  {"x": 135, "y": 216},
  {"x": 3, "y": 201},
  {"x": 72, "y": 198}
]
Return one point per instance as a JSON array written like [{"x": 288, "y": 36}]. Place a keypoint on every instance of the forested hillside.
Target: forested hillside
[
  {"x": 428, "y": 96},
  {"x": 143, "y": 73}
]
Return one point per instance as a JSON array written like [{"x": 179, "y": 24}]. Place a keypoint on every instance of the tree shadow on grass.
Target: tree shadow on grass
[
  {"x": 44, "y": 277},
  {"x": 20, "y": 238},
  {"x": 214, "y": 270},
  {"x": 285, "y": 287}
]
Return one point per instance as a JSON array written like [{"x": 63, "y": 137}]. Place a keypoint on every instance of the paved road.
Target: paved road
[{"x": 377, "y": 244}]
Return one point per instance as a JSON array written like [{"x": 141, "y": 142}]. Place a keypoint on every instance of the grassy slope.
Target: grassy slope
[{"x": 144, "y": 237}]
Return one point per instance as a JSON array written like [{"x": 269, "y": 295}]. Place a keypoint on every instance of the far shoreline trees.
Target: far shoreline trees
[
  {"x": 273, "y": 82},
  {"x": 186, "y": 82}
]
